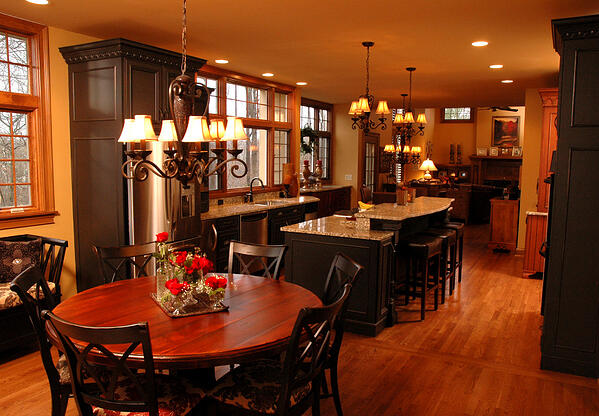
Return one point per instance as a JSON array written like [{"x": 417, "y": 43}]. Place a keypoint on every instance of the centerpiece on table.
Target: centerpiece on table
[{"x": 184, "y": 284}]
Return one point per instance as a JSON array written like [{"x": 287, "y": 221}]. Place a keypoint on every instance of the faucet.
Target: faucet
[{"x": 249, "y": 197}]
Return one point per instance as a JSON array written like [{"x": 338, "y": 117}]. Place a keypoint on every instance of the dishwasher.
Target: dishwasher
[{"x": 254, "y": 228}]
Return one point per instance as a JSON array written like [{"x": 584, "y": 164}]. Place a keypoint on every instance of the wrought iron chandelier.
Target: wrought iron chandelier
[
  {"x": 184, "y": 134},
  {"x": 360, "y": 110},
  {"x": 404, "y": 121}
]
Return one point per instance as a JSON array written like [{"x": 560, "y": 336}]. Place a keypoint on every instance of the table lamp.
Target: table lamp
[{"x": 428, "y": 166}]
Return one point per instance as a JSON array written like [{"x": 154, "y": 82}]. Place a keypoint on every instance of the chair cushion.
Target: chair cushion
[
  {"x": 16, "y": 256},
  {"x": 176, "y": 397},
  {"x": 421, "y": 245},
  {"x": 256, "y": 387},
  {"x": 9, "y": 299}
]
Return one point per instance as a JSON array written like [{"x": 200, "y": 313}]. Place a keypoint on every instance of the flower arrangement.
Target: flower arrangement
[{"x": 186, "y": 287}]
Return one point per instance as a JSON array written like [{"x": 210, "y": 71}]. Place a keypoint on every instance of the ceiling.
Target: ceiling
[{"x": 320, "y": 41}]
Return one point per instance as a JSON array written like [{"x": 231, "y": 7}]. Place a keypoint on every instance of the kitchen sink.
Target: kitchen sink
[{"x": 269, "y": 203}]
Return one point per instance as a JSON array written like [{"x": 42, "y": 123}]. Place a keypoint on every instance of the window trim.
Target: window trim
[
  {"x": 443, "y": 120},
  {"x": 319, "y": 105},
  {"x": 38, "y": 104}
]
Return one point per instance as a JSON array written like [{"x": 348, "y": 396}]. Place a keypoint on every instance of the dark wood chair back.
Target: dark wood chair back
[
  {"x": 42, "y": 300},
  {"x": 96, "y": 384},
  {"x": 343, "y": 271},
  {"x": 118, "y": 263},
  {"x": 366, "y": 194},
  {"x": 252, "y": 257},
  {"x": 307, "y": 352}
]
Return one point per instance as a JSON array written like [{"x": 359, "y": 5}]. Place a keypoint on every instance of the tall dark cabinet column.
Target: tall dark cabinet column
[
  {"x": 109, "y": 81},
  {"x": 570, "y": 340}
]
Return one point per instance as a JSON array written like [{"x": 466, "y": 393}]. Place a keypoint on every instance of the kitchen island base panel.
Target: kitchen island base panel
[{"x": 308, "y": 261}]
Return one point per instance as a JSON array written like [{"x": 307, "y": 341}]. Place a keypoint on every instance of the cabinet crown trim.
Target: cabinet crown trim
[{"x": 119, "y": 47}]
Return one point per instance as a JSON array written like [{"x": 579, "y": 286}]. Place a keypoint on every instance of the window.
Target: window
[
  {"x": 281, "y": 154},
  {"x": 317, "y": 116},
  {"x": 247, "y": 102},
  {"x": 281, "y": 109},
  {"x": 255, "y": 155},
  {"x": 26, "y": 180},
  {"x": 456, "y": 114},
  {"x": 210, "y": 83}
]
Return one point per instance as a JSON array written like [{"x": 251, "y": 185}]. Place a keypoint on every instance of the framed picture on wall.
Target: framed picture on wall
[
  {"x": 517, "y": 151},
  {"x": 481, "y": 151},
  {"x": 506, "y": 131},
  {"x": 494, "y": 151}
]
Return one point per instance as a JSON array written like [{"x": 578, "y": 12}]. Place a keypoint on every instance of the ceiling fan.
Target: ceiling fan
[{"x": 496, "y": 108}]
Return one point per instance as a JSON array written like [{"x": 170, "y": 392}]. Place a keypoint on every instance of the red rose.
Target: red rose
[
  {"x": 189, "y": 270},
  {"x": 161, "y": 237},
  {"x": 205, "y": 264},
  {"x": 180, "y": 257},
  {"x": 212, "y": 282},
  {"x": 222, "y": 282},
  {"x": 175, "y": 287}
]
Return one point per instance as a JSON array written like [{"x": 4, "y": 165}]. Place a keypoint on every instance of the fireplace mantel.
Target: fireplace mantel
[{"x": 495, "y": 168}]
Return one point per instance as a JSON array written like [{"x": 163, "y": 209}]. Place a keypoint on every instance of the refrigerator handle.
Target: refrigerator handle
[{"x": 215, "y": 237}]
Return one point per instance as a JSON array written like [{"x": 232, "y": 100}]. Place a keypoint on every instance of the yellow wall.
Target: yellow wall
[
  {"x": 484, "y": 128},
  {"x": 345, "y": 151},
  {"x": 445, "y": 134},
  {"x": 531, "y": 159},
  {"x": 61, "y": 156}
]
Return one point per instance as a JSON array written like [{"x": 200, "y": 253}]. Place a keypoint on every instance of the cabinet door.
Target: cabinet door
[{"x": 143, "y": 92}]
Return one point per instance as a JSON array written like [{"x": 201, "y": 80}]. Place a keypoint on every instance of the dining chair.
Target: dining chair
[
  {"x": 366, "y": 194},
  {"x": 102, "y": 382},
  {"x": 35, "y": 294},
  {"x": 261, "y": 259},
  {"x": 287, "y": 387},
  {"x": 125, "y": 262},
  {"x": 343, "y": 271}
]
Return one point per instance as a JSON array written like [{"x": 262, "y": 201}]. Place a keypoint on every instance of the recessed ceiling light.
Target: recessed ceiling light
[
  {"x": 268, "y": 74},
  {"x": 480, "y": 43},
  {"x": 496, "y": 66},
  {"x": 507, "y": 81},
  {"x": 221, "y": 61},
  {"x": 42, "y": 2},
  {"x": 302, "y": 83}
]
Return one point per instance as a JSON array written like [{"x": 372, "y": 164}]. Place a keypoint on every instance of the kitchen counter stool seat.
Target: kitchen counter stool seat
[
  {"x": 448, "y": 257},
  {"x": 459, "y": 228},
  {"x": 423, "y": 253}
]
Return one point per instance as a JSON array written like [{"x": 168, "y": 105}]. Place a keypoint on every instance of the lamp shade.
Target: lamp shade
[
  {"x": 363, "y": 106},
  {"x": 353, "y": 109},
  {"x": 382, "y": 108},
  {"x": 168, "y": 133},
  {"x": 127, "y": 135},
  {"x": 428, "y": 165},
  {"x": 217, "y": 129},
  {"x": 408, "y": 117},
  {"x": 416, "y": 149},
  {"x": 389, "y": 148},
  {"x": 234, "y": 130},
  {"x": 421, "y": 118},
  {"x": 406, "y": 149},
  {"x": 142, "y": 129},
  {"x": 398, "y": 118},
  {"x": 197, "y": 130}
]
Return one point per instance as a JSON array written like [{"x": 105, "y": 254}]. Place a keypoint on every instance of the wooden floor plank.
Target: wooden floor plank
[{"x": 478, "y": 354}]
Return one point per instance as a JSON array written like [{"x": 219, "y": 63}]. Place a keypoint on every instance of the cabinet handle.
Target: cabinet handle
[
  {"x": 279, "y": 213},
  {"x": 215, "y": 237}
]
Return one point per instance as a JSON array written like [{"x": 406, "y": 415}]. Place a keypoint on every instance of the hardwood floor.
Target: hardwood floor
[{"x": 477, "y": 355}]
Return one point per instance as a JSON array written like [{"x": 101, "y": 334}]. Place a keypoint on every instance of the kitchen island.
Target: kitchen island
[{"x": 370, "y": 240}]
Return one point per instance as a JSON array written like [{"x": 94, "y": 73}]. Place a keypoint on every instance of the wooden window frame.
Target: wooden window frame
[
  {"x": 224, "y": 77},
  {"x": 443, "y": 120},
  {"x": 319, "y": 105},
  {"x": 37, "y": 105}
]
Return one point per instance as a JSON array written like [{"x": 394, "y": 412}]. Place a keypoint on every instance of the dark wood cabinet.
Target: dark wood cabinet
[
  {"x": 495, "y": 169},
  {"x": 227, "y": 229},
  {"x": 331, "y": 199},
  {"x": 281, "y": 217},
  {"x": 109, "y": 81},
  {"x": 570, "y": 341}
]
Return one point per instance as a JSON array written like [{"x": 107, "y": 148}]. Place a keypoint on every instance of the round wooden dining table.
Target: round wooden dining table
[{"x": 261, "y": 316}]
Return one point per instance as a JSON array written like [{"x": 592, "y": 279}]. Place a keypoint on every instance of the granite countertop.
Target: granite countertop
[
  {"x": 339, "y": 227},
  {"x": 423, "y": 205},
  {"x": 324, "y": 188},
  {"x": 227, "y": 210}
]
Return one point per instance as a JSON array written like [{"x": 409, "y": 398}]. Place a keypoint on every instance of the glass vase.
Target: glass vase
[{"x": 163, "y": 273}]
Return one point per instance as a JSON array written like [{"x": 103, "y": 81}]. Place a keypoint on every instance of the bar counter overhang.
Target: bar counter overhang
[{"x": 371, "y": 241}]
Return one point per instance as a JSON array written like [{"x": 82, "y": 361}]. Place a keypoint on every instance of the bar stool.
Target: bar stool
[
  {"x": 459, "y": 228},
  {"x": 421, "y": 250},
  {"x": 448, "y": 256}
]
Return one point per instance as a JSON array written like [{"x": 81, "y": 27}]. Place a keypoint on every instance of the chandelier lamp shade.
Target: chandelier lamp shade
[
  {"x": 184, "y": 136},
  {"x": 360, "y": 110}
]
